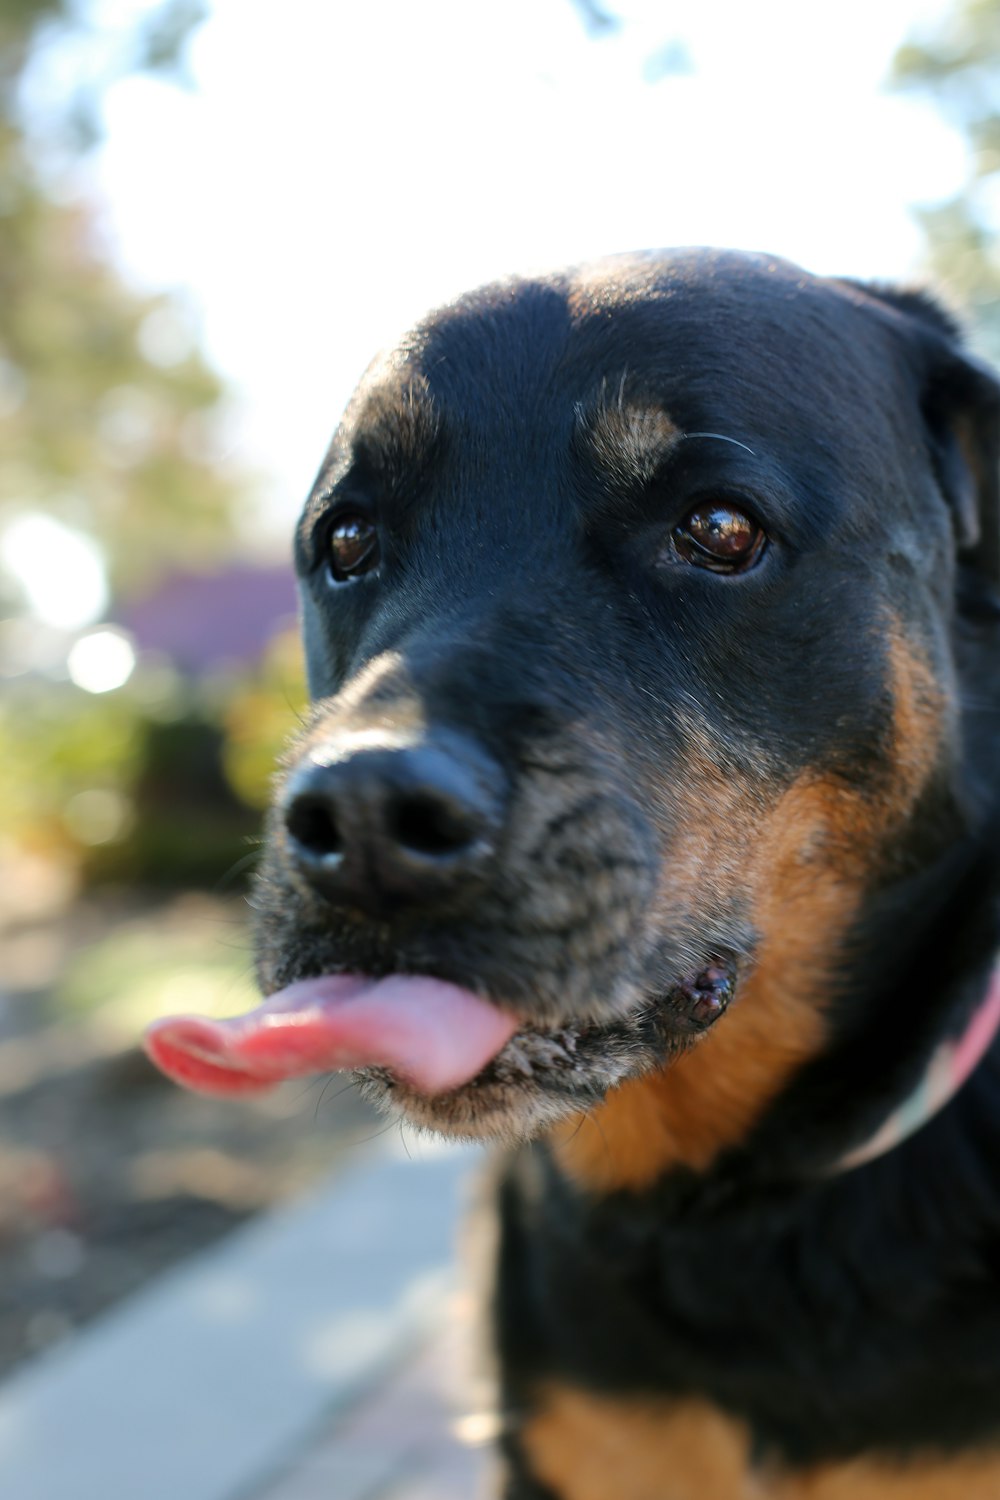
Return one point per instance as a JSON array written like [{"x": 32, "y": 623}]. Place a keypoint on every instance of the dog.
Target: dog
[{"x": 647, "y": 822}]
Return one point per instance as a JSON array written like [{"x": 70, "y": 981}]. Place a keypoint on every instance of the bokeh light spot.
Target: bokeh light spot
[
  {"x": 101, "y": 660},
  {"x": 60, "y": 570}
]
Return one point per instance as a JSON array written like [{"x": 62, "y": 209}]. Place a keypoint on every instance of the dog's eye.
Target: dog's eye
[
  {"x": 720, "y": 537},
  {"x": 353, "y": 546}
]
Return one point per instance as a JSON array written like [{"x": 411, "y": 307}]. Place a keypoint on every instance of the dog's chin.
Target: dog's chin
[
  {"x": 539, "y": 1078},
  {"x": 543, "y": 1075}
]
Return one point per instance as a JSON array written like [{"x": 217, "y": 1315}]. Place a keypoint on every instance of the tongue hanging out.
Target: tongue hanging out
[{"x": 433, "y": 1035}]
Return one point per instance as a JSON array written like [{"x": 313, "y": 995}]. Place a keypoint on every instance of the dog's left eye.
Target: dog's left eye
[
  {"x": 719, "y": 536},
  {"x": 352, "y": 546}
]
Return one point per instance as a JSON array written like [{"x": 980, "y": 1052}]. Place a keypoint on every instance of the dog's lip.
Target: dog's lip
[{"x": 431, "y": 1034}]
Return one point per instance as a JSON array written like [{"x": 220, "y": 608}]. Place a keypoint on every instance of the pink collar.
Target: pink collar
[{"x": 951, "y": 1064}]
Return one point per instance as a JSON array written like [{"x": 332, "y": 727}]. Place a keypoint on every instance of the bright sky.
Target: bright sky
[{"x": 343, "y": 166}]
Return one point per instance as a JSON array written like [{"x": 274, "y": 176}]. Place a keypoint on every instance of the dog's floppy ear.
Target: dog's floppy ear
[
  {"x": 962, "y": 410},
  {"x": 961, "y": 406}
]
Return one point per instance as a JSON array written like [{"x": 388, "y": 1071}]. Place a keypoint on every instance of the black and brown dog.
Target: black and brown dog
[{"x": 650, "y": 810}]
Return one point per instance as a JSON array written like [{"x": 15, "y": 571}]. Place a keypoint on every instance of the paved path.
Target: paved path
[
  {"x": 214, "y": 1382},
  {"x": 414, "y": 1438}
]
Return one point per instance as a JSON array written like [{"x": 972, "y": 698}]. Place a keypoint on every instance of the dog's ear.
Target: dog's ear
[
  {"x": 962, "y": 411},
  {"x": 961, "y": 406}
]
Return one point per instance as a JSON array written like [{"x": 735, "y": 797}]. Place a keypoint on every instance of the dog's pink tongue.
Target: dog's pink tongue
[{"x": 432, "y": 1034}]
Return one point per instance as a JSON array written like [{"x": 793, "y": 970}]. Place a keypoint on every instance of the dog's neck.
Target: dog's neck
[
  {"x": 972, "y": 916},
  {"x": 952, "y": 1062},
  {"x": 917, "y": 1010}
]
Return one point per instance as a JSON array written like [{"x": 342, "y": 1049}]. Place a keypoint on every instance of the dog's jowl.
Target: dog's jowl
[{"x": 648, "y": 823}]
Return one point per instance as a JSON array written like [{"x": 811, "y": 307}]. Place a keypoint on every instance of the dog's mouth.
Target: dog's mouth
[
  {"x": 433, "y": 1035},
  {"x": 441, "y": 1053}
]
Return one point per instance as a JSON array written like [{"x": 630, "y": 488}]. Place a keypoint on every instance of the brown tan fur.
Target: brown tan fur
[
  {"x": 805, "y": 865},
  {"x": 589, "y": 1447},
  {"x": 627, "y": 440}
]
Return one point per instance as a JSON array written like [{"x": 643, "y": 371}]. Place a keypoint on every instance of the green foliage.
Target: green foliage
[
  {"x": 93, "y": 432},
  {"x": 135, "y": 975},
  {"x": 957, "y": 65},
  {"x": 53, "y": 746},
  {"x": 155, "y": 43},
  {"x": 162, "y": 38},
  {"x": 258, "y": 718},
  {"x": 106, "y": 408},
  {"x": 130, "y": 790},
  {"x": 109, "y": 421}
]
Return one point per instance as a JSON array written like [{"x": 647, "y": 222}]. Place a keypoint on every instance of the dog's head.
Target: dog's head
[{"x": 628, "y": 599}]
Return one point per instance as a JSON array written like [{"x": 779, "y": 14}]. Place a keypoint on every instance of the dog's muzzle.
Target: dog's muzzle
[{"x": 379, "y": 826}]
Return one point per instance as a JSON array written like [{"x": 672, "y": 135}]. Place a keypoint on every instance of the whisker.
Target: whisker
[
  {"x": 237, "y": 868},
  {"x": 720, "y": 438}
]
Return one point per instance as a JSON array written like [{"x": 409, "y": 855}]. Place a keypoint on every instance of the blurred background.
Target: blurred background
[{"x": 211, "y": 216}]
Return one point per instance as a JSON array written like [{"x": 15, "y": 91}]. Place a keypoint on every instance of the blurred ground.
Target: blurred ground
[
  {"x": 107, "y": 1172},
  {"x": 414, "y": 1438}
]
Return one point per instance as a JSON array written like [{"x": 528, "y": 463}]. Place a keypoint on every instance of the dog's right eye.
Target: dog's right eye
[
  {"x": 352, "y": 546},
  {"x": 720, "y": 536}
]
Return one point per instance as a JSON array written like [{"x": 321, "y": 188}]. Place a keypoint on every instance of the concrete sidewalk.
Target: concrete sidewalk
[
  {"x": 412, "y": 1438},
  {"x": 308, "y": 1340}
]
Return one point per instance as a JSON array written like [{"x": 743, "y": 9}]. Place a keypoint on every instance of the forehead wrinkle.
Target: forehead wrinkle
[
  {"x": 627, "y": 438},
  {"x": 392, "y": 427},
  {"x": 397, "y": 427},
  {"x": 382, "y": 451}
]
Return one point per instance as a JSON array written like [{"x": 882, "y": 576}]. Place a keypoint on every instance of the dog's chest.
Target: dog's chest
[
  {"x": 587, "y": 1447},
  {"x": 683, "y": 1366}
]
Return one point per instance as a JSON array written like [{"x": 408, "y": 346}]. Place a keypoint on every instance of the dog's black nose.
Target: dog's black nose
[{"x": 381, "y": 827}]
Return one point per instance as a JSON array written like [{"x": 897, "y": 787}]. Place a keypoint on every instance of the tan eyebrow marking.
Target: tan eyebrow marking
[{"x": 627, "y": 439}]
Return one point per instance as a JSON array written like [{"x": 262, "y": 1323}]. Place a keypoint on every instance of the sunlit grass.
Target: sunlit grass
[{"x": 131, "y": 977}]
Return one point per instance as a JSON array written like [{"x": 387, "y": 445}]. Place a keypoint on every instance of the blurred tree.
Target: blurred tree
[
  {"x": 957, "y": 64},
  {"x": 107, "y": 412},
  {"x": 109, "y": 423},
  {"x": 596, "y": 19}
]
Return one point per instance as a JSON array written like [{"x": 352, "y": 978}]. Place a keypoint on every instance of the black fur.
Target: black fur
[{"x": 527, "y": 454}]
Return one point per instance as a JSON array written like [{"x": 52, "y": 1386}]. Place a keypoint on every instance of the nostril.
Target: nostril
[
  {"x": 379, "y": 827},
  {"x": 427, "y": 825},
  {"x": 311, "y": 823}
]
